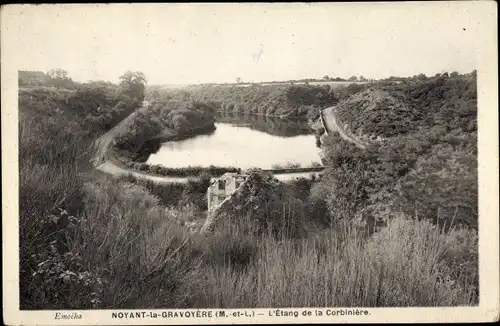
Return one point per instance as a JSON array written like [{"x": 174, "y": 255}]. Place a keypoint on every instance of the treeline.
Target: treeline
[
  {"x": 305, "y": 81},
  {"x": 57, "y": 129},
  {"x": 97, "y": 106},
  {"x": 188, "y": 171},
  {"x": 283, "y": 101}
]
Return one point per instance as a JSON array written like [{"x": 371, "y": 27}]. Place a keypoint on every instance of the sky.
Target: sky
[{"x": 199, "y": 43}]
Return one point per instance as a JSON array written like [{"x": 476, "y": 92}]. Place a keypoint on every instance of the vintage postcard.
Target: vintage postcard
[{"x": 250, "y": 163}]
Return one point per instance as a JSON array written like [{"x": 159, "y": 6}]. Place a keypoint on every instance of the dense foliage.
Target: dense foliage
[
  {"x": 56, "y": 130},
  {"x": 95, "y": 106},
  {"x": 426, "y": 164},
  {"x": 283, "y": 101},
  {"x": 395, "y": 109},
  {"x": 165, "y": 120},
  {"x": 97, "y": 242},
  {"x": 53, "y": 78}
]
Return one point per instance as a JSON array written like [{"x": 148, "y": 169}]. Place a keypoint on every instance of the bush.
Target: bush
[
  {"x": 273, "y": 100},
  {"x": 400, "y": 267},
  {"x": 421, "y": 248},
  {"x": 190, "y": 171},
  {"x": 178, "y": 117},
  {"x": 175, "y": 194},
  {"x": 49, "y": 169},
  {"x": 89, "y": 243},
  {"x": 56, "y": 132},
  {"x": 127, "y": 232}
]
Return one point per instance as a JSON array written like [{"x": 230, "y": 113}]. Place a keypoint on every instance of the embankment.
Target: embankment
[
  {"x": 408, "y": 147},
  {"x": 330, "y": 124},
  {"x": 142, "y": 134},
  {"x": 104, "y": 142}
]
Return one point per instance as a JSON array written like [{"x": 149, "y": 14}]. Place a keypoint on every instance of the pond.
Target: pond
[{"x": 243, "y": 142}]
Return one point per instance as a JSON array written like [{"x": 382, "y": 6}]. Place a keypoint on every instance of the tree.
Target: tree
[
  {"x": 423, "y": 76},
  {"x": 134, "y": 84},
  {"x": 59, "y": 77},
  {"x": 352, "y": 78},
  {"x": 58, "y": 73},
  {"x": 180, "y": 123},
  {"x": 361, "y": 78},
  {"x": 325, "y": 77},
  {"x": 238, "y": 80},
  {"x": 135, "y": 77}
]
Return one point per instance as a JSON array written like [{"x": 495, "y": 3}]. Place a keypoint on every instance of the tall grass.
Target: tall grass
[
  {"x": 51, "y": 158},
  {"x": 144, "y": 254},
  {"x": 403, "y": 265},
  {"x": 132, "y": 253},
  {"x": 110, "y": 243}
]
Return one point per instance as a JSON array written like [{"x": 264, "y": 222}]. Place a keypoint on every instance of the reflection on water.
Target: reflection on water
[
  {"x": 244, "y": 142},
  {"x": 270, "y": 125}
]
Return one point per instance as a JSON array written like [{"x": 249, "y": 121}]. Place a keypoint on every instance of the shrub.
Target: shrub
[
  {"x": 400, "y": 267},
  {"x": 229, "y": 250},
  {"x": 146, "y": 256},
  {"x": 49, "y": 169},
  {"x": 110, "y": 243}
]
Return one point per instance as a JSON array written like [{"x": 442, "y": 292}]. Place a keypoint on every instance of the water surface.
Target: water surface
[{"x": 243, "y": 142}]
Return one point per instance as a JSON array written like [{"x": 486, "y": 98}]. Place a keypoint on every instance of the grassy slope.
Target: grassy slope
[
  {"x": 427, "y": 160},
  {"x": 118, "y": 246},
  {"x": 391, "y": 110},
  {"x": 164, "y": 119}
]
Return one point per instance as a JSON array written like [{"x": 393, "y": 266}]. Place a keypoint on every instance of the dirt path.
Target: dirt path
[
  {"x": 102, "y": 143},
  {"x": 331, "y": 125}
]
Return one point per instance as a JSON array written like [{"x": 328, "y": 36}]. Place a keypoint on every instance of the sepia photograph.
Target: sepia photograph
[{"x": 280, "y": 161}]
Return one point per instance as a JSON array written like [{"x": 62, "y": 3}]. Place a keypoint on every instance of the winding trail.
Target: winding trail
[
  {"x": 331, "y": 125},
  {"x": 102, "y": 146}
]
